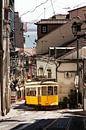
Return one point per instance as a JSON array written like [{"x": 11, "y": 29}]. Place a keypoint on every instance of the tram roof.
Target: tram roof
[{"x": 40, "y": 83}]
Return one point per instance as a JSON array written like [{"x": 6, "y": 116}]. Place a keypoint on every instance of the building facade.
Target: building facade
[
  {"x": 17, "y": 59},
  {"x": 66, "y": 60},
  {"x": 45, "y": 26},
  {"x": 6, "y": 8},
  {"x": 19, "y": 39}
]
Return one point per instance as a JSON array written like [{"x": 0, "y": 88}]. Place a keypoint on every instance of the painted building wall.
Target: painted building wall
[
  {"x": 18, "y": 25},
  {"x": 51, "y": 24},
  {"x": 66, "y": 81},
  {"x": 66, "y": 78},
  {"x": 46, "y": 65}
]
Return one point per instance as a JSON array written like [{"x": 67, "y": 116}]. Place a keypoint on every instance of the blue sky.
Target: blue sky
[
  {"x": 30, "y": 38},
  {"x": 30, "y": 35}
]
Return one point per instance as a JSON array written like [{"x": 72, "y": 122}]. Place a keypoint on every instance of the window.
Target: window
[
  {"x": 50, "y": 90},
  {"x": 49, "y": 73},
  {"x": 33, "y": 93},
  {"x": 44, "y": 91},
  {"x": 67, "y": 75},
  {"x": 55, "y": 90},
  {"x": 40, "y": 71},
  {"x": 44, "y": 29},
  {"x": 28, "y": 92}
]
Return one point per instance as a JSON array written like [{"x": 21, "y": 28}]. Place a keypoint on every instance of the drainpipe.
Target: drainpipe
[
  {"x": 7, "y": 76},
  {"x": 1, "y": 59},
  {"x": 1, "y": 83},
  {"x": 57, "y": 66}
]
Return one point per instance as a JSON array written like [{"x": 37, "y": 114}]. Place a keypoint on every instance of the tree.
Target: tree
[{"x": 73, "y": 98}]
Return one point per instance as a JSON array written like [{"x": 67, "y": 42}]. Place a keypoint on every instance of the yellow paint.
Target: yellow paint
[
  {"x": 42, "y": 100},
  {"x": 32, "y": 100},
  {"x": 49, "y": 100}
]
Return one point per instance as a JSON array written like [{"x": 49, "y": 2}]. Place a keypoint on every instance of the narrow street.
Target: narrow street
[
  {"x": 42, "y": 64},
  {"x": 23, "y": 117}
]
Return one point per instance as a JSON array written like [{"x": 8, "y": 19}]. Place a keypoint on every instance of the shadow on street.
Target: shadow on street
[
  {"x": 64, "y": 123},
  {"x": 23, "y": 107}
]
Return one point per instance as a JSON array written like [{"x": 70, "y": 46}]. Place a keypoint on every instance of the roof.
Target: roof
[
  {"x": 33, "y": 84},
  {"x": 56, "y": 19},
  {"x": 58, "y": 37},
  {"x": 30, "y": 51},
  {"x": 77, "y": 8},
  {"x": 55, "y": 38}
]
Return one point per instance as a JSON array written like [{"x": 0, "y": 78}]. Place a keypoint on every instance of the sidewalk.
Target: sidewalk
[
  {"x": 75, "y": 111},
  {"x": 82, "y": 112},
  {"x": 13, "y": 112}
]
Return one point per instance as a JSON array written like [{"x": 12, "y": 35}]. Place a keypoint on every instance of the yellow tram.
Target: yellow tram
[{"x": 41, "y": 94}]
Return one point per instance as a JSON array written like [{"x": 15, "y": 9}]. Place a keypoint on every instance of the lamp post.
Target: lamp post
[{"x": 76, "y": 27}]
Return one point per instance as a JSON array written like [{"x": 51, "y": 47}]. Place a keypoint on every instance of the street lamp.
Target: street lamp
[{"x": 76, "y": 27}]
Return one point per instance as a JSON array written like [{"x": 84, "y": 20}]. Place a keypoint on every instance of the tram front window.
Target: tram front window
[
  {"x": 50, "y": 90},
  {"x": 32, "y": 93}
]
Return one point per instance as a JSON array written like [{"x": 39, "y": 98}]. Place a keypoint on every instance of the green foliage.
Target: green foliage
[
  {"x": 73, "y": 98},
  {"x": 63, "y": 103}
]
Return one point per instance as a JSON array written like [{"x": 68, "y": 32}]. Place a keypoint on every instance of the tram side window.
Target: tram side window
[
  {"x": 32, "y": 93},
  {"x": 50, "y": 90},
  {"x": 44, "y": 91},
  {"x": 28, "y": 92},
  {"x": 55, "y": 90}
]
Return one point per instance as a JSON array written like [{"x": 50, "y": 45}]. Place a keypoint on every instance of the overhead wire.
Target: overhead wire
[
  {"x": 52, "y": 7},
  {"x": 34, "y": 20},
  {"x": 46, "y": 66},
  {"x": 31, "y": 11},
  {"x": 46, "y": 11}
]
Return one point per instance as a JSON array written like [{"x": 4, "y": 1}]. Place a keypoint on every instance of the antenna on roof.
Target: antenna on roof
[{"x": 44, "y": 12}]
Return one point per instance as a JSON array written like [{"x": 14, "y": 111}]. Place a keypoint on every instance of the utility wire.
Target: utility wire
[
  {"x": 35, "y": 20},
  {"x": 31, "y": 11},
  {"x": 52, "y": 7}
]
